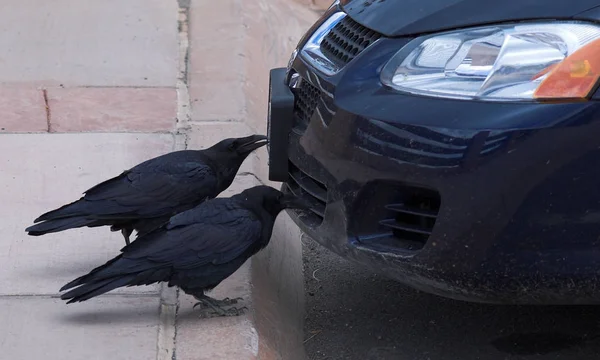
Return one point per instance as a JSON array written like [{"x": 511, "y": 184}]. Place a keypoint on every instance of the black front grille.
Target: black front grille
[
  {"x": 391, "y": 216},
  {"x": 346, "y": 40},
  {"x": 412, "y": 220},
  {"x": 305, "y": 103},
  {"x": 308, "y": 188}
]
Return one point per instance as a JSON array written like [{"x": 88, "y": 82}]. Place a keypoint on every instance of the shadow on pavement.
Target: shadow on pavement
[
  {"x": 105, "y": 310},
  {"x": 355, "y": 314}
]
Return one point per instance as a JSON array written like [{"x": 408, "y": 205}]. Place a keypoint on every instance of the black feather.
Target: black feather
[{"x": 60, "y": 224}]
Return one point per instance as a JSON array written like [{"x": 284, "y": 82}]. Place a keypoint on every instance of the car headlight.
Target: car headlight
[{"x": 516, "y": 62}]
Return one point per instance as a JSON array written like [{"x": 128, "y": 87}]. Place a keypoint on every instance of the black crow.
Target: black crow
[
  {"x": 195, "y": 250},
  {"x": 147, "y": 195}
]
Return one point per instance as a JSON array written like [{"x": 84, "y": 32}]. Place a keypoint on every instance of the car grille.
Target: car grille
[
  {"x": 390, "y": 216},
  {"x": 305, "y": 103},
  {"x": 412, "y": 221},
  {"x": 346, "y": 40},
  {"x": 310, "y": 189}
]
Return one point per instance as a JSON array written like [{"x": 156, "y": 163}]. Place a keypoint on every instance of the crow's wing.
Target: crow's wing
[
  {"x": 153, "y": 188},
  {"x": 216, "y": 233},
  {"x": 158, "y": 187}
]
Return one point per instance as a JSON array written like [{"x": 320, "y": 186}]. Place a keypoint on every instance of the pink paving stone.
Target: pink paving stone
[
  {"x": 22, "y": 110},
  {"x": 112, "y": 109}
]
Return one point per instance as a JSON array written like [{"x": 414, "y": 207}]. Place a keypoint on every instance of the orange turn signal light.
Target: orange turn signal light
[{"x": 573, "y": 78}]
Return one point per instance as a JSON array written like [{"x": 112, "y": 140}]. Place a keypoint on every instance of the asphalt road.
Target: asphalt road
[{"x": 353, "y": 313}]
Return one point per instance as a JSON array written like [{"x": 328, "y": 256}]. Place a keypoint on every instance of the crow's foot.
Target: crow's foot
[{"x": 212, "y": 307}]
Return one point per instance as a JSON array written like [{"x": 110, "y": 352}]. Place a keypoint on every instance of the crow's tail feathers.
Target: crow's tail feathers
[
  {"x": 100, "y": 273},
  {"x": 96, "y": 282},
  {"x": 57, "y": 225},
  {"x": 117, "y": 272},
  {"x": 95, "y": 288},
  {"x": 69, "y": 210}
]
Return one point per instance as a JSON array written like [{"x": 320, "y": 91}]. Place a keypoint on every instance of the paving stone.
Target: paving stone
[
  {"x": 39, "y": 172},
  {"x": 108, "y": 327},
  {"x": 222, "y": 337},
  {"x": 216, "y": 66},
  {"x": 112, "y": 109},
  {"x": 93, "y": 43},
  {"x": 23, "y": 109}
]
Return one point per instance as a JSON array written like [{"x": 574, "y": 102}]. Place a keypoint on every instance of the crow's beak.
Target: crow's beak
[
  {"x": 251, "y": 143},
  {"x": 291, "y": 201}
]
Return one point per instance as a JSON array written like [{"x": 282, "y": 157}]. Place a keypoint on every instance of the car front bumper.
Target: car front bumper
[{"x": 488, "y": 202}]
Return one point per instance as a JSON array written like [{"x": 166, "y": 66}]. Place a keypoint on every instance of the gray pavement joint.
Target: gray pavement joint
[
  {"x": 183, "y": 94},
  {"x": 47, "y": 106},
  {"x": 167, "y": 329}
]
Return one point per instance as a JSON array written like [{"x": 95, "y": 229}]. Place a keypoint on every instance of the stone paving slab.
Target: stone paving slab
[
  {"x": 221, "y": 338},
  {"x": 89, "y": 43},
  {"x": 216, "y": 66},
  {"x": 105, "y": 328},
  {"x": 22, "y": 109},
  {"x": 39, "y": 172},
  {"x": 112, "y": 109}
]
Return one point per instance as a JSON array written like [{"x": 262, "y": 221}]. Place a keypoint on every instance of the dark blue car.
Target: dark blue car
[{"x": 453, "y": 145}]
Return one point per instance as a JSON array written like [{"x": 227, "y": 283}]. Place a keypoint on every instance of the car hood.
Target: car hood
[{"x": 410, "y": 17}]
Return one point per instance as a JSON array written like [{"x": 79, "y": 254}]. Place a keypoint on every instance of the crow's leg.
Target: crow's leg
[
  {"x": 126, "y": 234},
  {"x": 219, "y": 307}
]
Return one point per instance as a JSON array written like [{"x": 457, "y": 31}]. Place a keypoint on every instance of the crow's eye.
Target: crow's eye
[{"x": 231, "y": 146}]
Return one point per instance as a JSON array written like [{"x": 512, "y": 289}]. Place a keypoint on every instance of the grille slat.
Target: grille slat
[
  {"x": 309, "y": 189},
  {"x": 394, "y": 224},
  {"x": 411, "y": 218},
  {"x": 309, "y": 185},
  {"x": 316, "y": 207},
  {"x": 401, "y": 208},
  {"x": 346, "y": 40}
]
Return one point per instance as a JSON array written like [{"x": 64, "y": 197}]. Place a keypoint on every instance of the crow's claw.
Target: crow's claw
[
  {"x": 212, "y": 307},
  {"x": 221, "y": 312}
]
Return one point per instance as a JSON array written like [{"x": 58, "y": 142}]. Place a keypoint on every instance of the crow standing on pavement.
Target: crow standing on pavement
[
  {"x": 147, "y": 195},
  {"x": 195, "y": 250}
]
